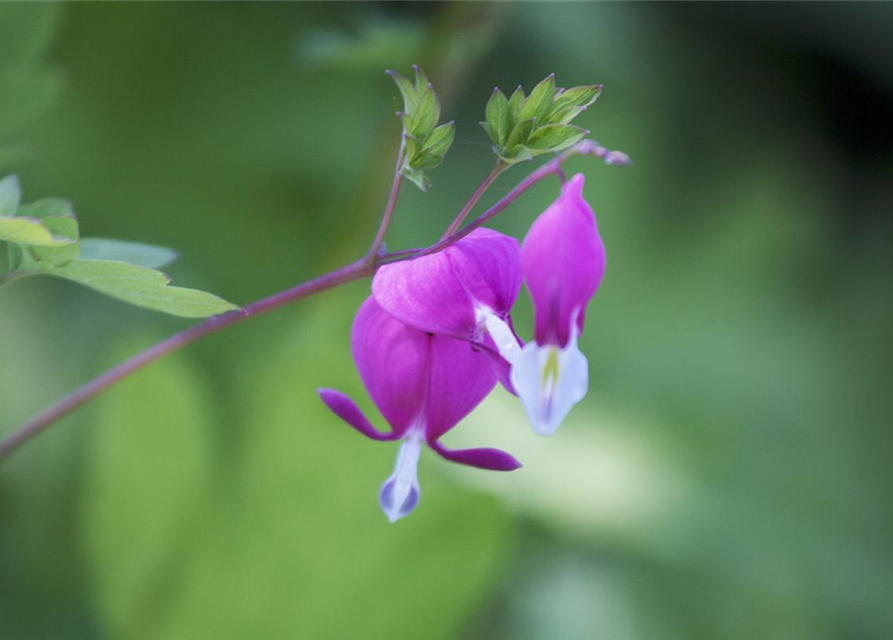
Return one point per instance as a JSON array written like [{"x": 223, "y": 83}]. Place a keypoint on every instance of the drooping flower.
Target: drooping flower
[
  {"x": 465, "y": 291},
  {"x": 563, "y": 260},
  {"x": 423, "y": 384}
]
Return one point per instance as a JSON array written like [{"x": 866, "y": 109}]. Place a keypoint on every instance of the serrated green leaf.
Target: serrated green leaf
[
  {"x": 10, "y": 196},
  {"x": 148, "y": 485},
  {"x": 142, "y": 287},
  {"x": 57, "y": 216},
  {"x": 440, "y": 140},
  {"x": 521, "y": 133},
  {"x": 555, "y": 137},
  {"x": 497, "y": 115},
  {"x": 539, "y": 101},
  {"x": 136, "y": 253},
  {"x": 29, "y": 231},
  {"x": 410, "y": 98},
  {"x": 515, "y": 104},
  {"x": 427, "y": 114},
  {"x": 575, "y": 97}
]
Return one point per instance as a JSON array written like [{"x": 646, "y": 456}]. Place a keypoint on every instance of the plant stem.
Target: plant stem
[
  {"x": 389, "y": 208},
  {"x": 362, "y": 268},
  {"x": 460, "y": 218}
]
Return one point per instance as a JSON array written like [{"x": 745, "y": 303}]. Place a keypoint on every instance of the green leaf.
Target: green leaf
[
  {"x": 440, "y": 140},
  {"x": 147, "y": 486},
  {"x": 56, "y": 215},
  {"x": 421, "y": 80},
  {"x": 515, "y": 104},
  {"x": 29, "y": 231},
  {"x": 539, "y": 101},
  {"x": 497, "y": 115},
  {"x": 555, "y": 137},
  {"x": 136, "y": 253},
  {"x": 427, "y": 161},
  {"x": 521, "y": 133},
  {"x": 142, "y": 287},
  {"x": 410, "y": 98},
  {"x": 417, "y": 177},
  {"x": 10, "y": 196},
  {"x": 565, "y": 115},
  {"x": 426, "y": 115},
  {"x": 575, "y": 97}
]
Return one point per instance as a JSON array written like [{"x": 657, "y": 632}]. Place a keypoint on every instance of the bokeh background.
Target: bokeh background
[{"x": 729, "y": 474}]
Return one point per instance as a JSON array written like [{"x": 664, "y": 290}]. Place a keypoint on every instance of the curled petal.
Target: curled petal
[
  {"x": 393, "y": 362},
  {"x": 492, "y": 459},
  {"x": 343, "y": 407},
  {"x": 461, "y": 375},
  {"x": 440, "y": 293},
  {"x": 563, "y": 259}
]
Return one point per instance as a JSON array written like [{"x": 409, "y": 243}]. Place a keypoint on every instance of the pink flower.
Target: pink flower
[
  {"x": 423, "y": 384},
  {"x": 563, "y": 260}
]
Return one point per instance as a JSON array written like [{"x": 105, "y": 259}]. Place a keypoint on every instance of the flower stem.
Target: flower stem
[
  {"x": 362, "y": 268},
  {"x": 460, "y": 218},
  {"x": 389, "y": 208}
]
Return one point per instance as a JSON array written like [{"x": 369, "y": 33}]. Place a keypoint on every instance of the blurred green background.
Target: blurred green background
[{"x": 728, "y": 475}]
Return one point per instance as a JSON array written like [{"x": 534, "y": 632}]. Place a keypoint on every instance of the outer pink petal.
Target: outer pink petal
[
  {"x": 492, "y": 459},
  {"x": 342, "y": 406},
  {"x": 439, "y": 293},
  {"x": 563, "y": 260},
  {"x": 460, "y": 377},
  {"x": 393, "y": 363}
]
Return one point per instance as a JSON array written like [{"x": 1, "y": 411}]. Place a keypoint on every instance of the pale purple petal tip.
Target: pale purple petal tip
[
  {"x": 484, "y": 458},
  {"x": 388, "y": 500},
  {"x": 343, "y": 407}
]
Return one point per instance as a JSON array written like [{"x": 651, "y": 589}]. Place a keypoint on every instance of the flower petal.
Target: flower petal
[
  {"x": 441, "y": 292},
  {"x": 563, "y": 259},
  {"x": 549, "y": 382},
  {"x": 345, "y": 408},
  {"x": 393, "y": 362},
  {"x": 485, "y": 458},
  {"x": 461, "y": 375}
]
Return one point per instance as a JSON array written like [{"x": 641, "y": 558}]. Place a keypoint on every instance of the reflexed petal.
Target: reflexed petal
[
  {"x": 461, "y": 376},
  {"x": 400, "y": 493},
  {"x": 563, "y": 260},
  {"x": 344, "y": 408},
  {"x": 549, "y": 382},
  {"x": 492, "y": 459},
  {"x": 440, "y": 293},
  {"x": 393, "y": 361}
]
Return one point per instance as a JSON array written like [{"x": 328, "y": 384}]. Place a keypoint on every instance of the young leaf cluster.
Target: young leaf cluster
[
  {"x": 44, "y": 238},
  {"x": 425, "y": 143},
  {"x": 523, "y": 127}
]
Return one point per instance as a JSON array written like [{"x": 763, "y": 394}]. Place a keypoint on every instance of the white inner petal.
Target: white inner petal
[
  {"x": 499, "y": 330},
  {"x": 400, "y": 492},
  {"x": 550, "y": 380}
]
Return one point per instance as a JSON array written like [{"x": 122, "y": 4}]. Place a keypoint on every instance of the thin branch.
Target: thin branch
[
  {"x": 460, "y": 218},
  {"x": 389, "y": 208}
]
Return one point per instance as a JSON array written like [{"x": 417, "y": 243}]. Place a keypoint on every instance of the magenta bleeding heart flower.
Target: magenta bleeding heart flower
[
  {"x": 563, "y": 260},
  {"x": 423, "y": 384},
  {"x": 465, "y": 291}
]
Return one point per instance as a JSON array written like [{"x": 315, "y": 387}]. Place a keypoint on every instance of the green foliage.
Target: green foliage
[
  {"x": 27, "y": 86},
  {"x": 426, "y": 144},
  {"x": 147, "y": 481},
  {"x": 44, "y": 239},
  {"x": 521, "y": 128}
]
